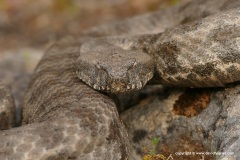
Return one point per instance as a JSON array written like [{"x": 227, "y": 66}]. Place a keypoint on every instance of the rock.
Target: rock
[{"x": 190, "y": 124}]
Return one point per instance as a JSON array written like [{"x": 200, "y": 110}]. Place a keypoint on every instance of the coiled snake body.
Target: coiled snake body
[{"x": 67, "y": 119}]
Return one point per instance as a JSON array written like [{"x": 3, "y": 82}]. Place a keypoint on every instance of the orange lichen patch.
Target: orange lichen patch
[{"x": 192, "y": 102}]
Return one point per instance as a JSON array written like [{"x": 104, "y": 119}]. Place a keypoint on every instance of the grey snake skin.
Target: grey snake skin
[{"x": 63, "y": 118}]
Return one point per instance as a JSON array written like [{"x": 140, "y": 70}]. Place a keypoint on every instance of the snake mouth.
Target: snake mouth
[
  {"x": 123, "y": 85},
  {"x": 103, "y": 82}
]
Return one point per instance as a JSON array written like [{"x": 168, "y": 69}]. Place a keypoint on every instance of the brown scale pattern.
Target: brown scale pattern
[
  {"x": 69, "y": 121},
  {"x": 203, "y": 53}
]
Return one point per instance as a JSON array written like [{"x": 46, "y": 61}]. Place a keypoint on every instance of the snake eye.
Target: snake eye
[
  {"x": 100, "y": 66},
  {"x": 131, "y": 64}
]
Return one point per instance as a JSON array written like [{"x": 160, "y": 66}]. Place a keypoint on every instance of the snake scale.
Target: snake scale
[{"x": 63, "y": 118}]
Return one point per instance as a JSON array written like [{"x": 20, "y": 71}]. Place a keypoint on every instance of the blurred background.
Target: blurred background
[{"x": 29, "y": 23}]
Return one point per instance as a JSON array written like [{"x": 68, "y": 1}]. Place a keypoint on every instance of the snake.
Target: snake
[{"x": 67, "y": 113}]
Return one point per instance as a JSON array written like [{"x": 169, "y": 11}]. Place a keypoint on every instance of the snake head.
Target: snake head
[{"x": 112, "y": 69}]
